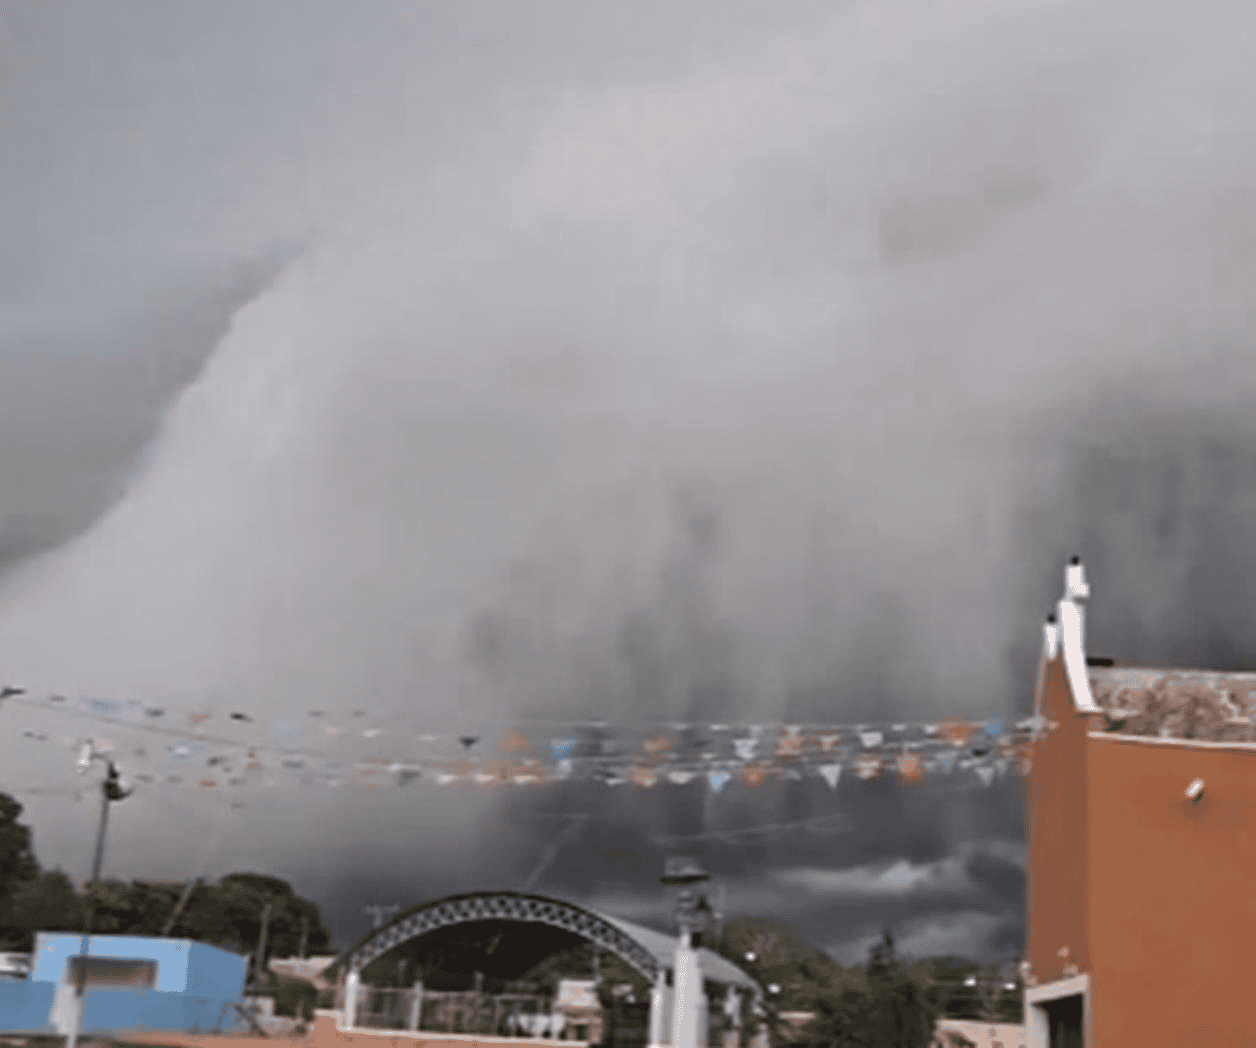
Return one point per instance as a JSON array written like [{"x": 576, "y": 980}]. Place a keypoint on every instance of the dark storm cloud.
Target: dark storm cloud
[{"x": 636, "y": 363}]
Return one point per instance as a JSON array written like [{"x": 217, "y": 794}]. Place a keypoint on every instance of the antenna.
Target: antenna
[{"x": 379, "y": 913}]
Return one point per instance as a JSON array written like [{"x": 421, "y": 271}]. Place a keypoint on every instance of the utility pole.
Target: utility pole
[
  {"x": 260, "y": 958},
  {"x": 111, "y": 789},
  {"x": 183, "y": 901}
]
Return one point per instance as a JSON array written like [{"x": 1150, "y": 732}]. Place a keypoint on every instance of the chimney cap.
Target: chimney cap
[
  {"x": 1051, "y": 617},
  {"x": 1076, "y": 560}
]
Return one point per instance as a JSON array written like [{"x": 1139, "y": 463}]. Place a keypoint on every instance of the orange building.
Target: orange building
[{"x": 1140, "y": 809}]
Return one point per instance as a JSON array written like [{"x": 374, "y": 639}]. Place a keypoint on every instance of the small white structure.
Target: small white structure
[{"x": 578, "y": 1005}]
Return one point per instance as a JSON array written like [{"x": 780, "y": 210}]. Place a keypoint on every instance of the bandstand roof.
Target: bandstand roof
[
  {"x": 715, "y": 968},
  {"x": 544, "y": 925}
]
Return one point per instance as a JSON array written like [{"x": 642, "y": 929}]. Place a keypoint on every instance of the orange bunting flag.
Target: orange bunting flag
[
  {"x": 644, "y": 776},
  {"x": 956, "y": 733},
  {"x": 752, "y": 774},
  {"x": 909, "y": 768},
  {"x": 658, "y": 746},
  {"x": 868, "y": 767},
  {"x": 828, "y": 741},
  {"x": 789, "y": 744},
  {"x": 516, "y": 743}
]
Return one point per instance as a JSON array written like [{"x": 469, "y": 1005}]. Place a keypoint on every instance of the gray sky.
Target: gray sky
[{"x": 381, "y": 354}]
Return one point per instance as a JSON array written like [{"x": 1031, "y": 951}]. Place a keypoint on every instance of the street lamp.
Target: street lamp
[
  {"x": 112, "y": 788},
  {"x": 692, "y": 911}
]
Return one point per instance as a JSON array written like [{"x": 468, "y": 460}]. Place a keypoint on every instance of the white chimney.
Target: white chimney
[
  {"x": 1050, "y": 639},
  {"x": 1072, "y": 635},
  {"x": 1075, "y": 585}
]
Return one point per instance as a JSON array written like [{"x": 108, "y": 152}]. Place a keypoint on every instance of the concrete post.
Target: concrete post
[
  {"x": 732, "y": 1009},
  {"x": 352, "y": 981},
  {"x": 690, "y": 998},
  {"x": 660, "y": 1021},
  {"x": 416, "y": 1006}
]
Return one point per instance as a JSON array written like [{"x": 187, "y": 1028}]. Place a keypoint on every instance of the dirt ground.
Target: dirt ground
[{"x": 323, "y": 1033}]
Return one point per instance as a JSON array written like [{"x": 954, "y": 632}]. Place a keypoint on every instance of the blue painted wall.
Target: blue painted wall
[
  {"x": 215, "y": 972},
  {"x": 54, "y": 949},
  {"x": 196, "y": 984},
  {"x": 24, "y": 1006},
  {"x": 116, "y": 1011}
]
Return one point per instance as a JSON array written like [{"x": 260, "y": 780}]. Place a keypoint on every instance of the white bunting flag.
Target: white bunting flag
[
  {"x": 681, "y": 778},
  {"x": 871, "y": 739},
  {"x": 831, "y": 773},
  {"x": 986, "y": 774},
  {"x": 745, "y": 748}
]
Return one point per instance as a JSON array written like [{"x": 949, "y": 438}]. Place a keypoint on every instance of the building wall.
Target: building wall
[
  {"x": 54, "y": 949},
  {"x": 1056, "y": 893},
  {"x": 25, "y": 1006},
  {"x": 1173, "y": 912},
  {"x": 986, "y": 1035},
  {"x": 215, "y": 972},
  {"x": 195, "y": 984},
  {"x": 119, "y": 1011}
]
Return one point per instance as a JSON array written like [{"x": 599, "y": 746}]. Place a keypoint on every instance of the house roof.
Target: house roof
[
  {"x": 1177, "y": 704},
  {"x": 1209, "y": 706}
]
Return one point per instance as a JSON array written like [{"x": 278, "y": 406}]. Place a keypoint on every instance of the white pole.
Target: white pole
[
  {"x": 660, "y": 1021},
  {"x": 351, "y": 997},
  {"x": 416, "y": 1006},
  {"x": 690, "y": 1000}
]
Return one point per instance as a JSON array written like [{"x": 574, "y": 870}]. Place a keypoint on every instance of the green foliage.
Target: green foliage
[
  {"x": 230, "y": 913},
  {"x": 888, "y": 1008},
  {"x": 48, "y": 903},
  {"x": 293, "y": 997},
  {"x": 227, "y": 914},
  {"x": 18, "y": 867},
  {"x": 989, "y": 1001}
]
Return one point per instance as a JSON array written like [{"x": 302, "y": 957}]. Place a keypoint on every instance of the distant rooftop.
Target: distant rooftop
[{"x": 1177, "y": 704}]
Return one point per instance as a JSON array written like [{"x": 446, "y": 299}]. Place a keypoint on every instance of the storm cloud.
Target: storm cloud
[{"x": 470, "y": 364}]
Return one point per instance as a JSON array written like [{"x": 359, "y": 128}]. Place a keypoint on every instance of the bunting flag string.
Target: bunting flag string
[{"x": 319, "y": 749}]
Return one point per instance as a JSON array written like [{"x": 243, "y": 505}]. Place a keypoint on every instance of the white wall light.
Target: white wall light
[{"x": 1195, "y": 790}]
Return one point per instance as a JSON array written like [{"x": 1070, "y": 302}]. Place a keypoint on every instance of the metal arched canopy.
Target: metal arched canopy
[{"x": 645, "y": 950}]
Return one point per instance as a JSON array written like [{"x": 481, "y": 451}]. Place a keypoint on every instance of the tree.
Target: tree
[
  {"x": 230, "y": 913},
  {"x": 886, "y": 1005},
  {"x": 18, "y": 867},
  {"x": 901, "y": 1013},
  {"x": 49, "y": 903}
]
